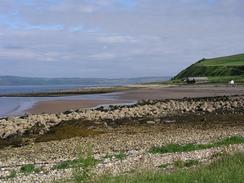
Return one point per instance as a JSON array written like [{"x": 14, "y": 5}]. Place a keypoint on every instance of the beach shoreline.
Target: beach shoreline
[
  {"x": 94, "y": 97},
  {"x": 133, "y": 95}
]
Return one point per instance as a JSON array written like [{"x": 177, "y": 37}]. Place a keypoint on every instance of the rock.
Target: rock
[
  {"x": 157, "y": 120},
  {"x": 169, "y": 121},
  {"x": 151, "y": 122},
  {"x": 210, "y": 110}
]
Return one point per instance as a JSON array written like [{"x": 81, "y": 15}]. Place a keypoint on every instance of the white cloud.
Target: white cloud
[{"x": 116, "y": 39}]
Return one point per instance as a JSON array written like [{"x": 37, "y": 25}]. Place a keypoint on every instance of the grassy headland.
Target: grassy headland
[{"x": 219, "y": 70}]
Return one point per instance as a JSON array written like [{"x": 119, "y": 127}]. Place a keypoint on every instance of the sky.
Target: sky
[{"x": 115, "y": 38}]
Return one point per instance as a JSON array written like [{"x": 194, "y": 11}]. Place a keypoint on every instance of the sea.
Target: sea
[{"x": 16, "y": 106}]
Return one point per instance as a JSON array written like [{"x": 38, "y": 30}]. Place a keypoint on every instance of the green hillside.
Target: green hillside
[{"x": 217, "y": 69}]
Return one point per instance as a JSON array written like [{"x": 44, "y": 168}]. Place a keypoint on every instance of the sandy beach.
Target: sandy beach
[
  {"x": 181, "y": 92},
  {"x": 153, "y": 93}
]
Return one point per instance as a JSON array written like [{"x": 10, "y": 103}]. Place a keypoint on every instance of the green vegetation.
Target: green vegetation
[
  {"x": 230, "y": 67},
  {"x": 180, "y": 164},
  {"x": 82, "y": 167},
  {"x": 66, "y": 164},
  {"x": 120, "y": 156},
  {"x": 164, "y": 165},
  {"x": 226, "y": 79},
  {"x": 235, "y": 60},
  {"x": 82, "y": 173},
  {"x": 227, "y": 169},
  {"x": 171, "y": 148},
  {"x": 188, "y": 163},
  {"x": 12, "y": 174},
  {"x": 29, "y": 168}
]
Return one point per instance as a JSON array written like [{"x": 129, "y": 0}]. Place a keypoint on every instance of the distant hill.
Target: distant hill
[
  {"x": 15, "y": 81},
  {"x": 215, "y": 68}
]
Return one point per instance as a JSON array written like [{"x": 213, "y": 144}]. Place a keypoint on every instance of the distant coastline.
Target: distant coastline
[
  {"x": 26, "y": 81},
  {"x": 70, "y": 92}
]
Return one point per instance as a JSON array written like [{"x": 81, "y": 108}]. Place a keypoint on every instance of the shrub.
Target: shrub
[
  {"x": 82, "y": 172},
  {"x": 29, "y": 168}
]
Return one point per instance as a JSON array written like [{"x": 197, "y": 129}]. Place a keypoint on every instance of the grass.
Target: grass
[
  {"x": 66, "y": 164},
  {"x": 12, "y": 174},
  {"x": 188, "y": 163},
  {"x": 226, "y": 79},
  {"x": 164, "y": 165},
  {"x": 81, "y": 167},
  {"x": 29, "y": 168},
  {"x": 235, "y": 60},
  {"x": 120, "y": 156},
  {"x": 180, "y": 164},
  {"x": 172, "y": 148},
  {"x": 228, "y": 169},
  {"x": 82, "y": 172}
]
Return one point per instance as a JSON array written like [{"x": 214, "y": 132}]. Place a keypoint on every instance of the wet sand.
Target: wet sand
[
  {"x": 59, "y": 106},
  {"x": 135, "y": 95}
]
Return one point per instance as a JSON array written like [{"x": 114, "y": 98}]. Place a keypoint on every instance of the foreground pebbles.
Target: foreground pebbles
[{"x": 134, "y": 142}]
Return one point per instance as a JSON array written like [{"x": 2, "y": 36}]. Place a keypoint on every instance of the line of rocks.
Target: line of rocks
[{"x": 17, "y": 126}]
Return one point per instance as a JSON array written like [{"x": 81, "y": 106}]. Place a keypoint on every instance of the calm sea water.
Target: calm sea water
[
  {"x": 40, "y": 88},
  {"x": 14, "y": 106}
]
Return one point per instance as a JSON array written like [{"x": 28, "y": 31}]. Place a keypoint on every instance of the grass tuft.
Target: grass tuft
[
  {"x": 12, "y": 174},
  {"x": 182, "y": 164},
  {"x": 29, "y": 168},
  {"x": 65, "y": 164},
  {"x": 120, "y": 156},
  {"x": 82, "y": 172},
  {"x": 172, "y": 148}
]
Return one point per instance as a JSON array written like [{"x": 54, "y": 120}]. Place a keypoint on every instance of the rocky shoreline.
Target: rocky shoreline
[{"x": 154, "y": 109}]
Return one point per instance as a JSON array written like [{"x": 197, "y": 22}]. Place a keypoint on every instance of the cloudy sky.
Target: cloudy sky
[{"x": 115, "y": 38}]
